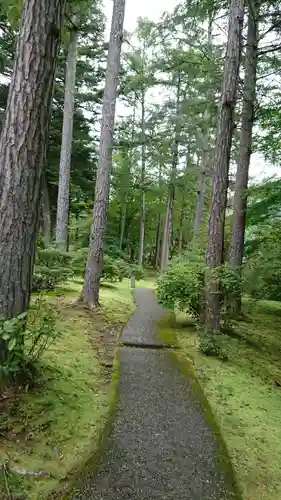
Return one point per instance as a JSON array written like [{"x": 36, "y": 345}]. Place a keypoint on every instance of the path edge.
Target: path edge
[
  {"x": 166, "y": 332},
  {"x": 77, "y": 476}
]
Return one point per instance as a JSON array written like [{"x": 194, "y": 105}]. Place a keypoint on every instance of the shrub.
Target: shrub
[
  {"x": 111, "y": 272},
  {"x": 51, "y": 268},
  {"x": 181, "y": 287},
  {"x": 211, "y": 345},
  {"x": 137, "y": 272},
  {"x": 27, "y": 337}
]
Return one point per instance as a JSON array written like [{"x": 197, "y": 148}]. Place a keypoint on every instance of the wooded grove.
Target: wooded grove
[{"x": 137, "y": 158}]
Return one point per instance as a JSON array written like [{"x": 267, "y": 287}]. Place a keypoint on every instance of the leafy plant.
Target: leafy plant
[
  {"x": 211, "y": 345},
  {"x": 27, "y": 337},
  {"x": 181, "y": 287}
]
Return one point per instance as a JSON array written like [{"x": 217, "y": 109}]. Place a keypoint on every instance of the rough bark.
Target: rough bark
[
  {"x": 183, "y": 207},
  {"x": 181, "y": 230},
  {"x": 23, "y": 147},
  {"x": 205, "y": 158},
  {"x": 90, "y": 292},
  {"x": 199, "y": 212},
  {"x": 214, "y": 253},
  {"x": 67, "y": 138},
  {"x": 242, "y": 174},
  {"x": 158, "y": 242},
  {"x": 142, "y": 202},
  {"x": 171, "y": 191},
  {"x": 46, "y": 212},
  {"x": 130, "y": 160}
]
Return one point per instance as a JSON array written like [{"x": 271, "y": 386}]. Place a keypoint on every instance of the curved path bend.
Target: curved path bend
[{"x": 160, "y": 447}]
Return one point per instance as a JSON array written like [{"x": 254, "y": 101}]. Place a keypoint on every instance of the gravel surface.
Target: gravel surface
[{"x": 160, "y": 447}]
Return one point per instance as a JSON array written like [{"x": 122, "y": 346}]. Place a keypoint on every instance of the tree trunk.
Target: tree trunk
[
  {"x": 158, "y": 242},
  {"x": 171, "y": 191},
  {"x": 124, "y": 208},
  {"x": 123, "y": 222},
  {"x": 66, "y": 145},
  {"x": 142, "y": 203},
  {"x": 90, "y": 292},
  {"x": 23, "y": 147},
  {"x": 214, "y": 253},
  {"x": 201, "y": 194},
  {"x": 46, "y": 213},
  {"x": 242, "y": 174},
  {"x": 205, "y": 159},
  {"x": 181, "y": 230}
]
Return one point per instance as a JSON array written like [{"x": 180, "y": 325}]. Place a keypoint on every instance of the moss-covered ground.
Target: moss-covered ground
[
  {"x": 52, "y": 427},
  {"x": 244, "y": 393}
]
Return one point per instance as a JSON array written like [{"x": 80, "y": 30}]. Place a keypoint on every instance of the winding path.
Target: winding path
[{"x": 160, "y": 447}]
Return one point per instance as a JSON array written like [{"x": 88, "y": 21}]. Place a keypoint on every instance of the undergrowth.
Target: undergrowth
[{"x": 47, "y": 428}]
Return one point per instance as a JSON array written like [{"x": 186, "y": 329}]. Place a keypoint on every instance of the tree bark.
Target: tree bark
[
  {"x": 242, "y": 175},
  {"x": 181, "y": 230},
  {"x": 124, "y": 208},
  {"x": 46, "y": 213},
  {"x": 214, "y": 253},
  {"x": 158, "y": 242},
  {"x": 66, "y": 145},
  {"x": 201, "y": 187},
  {"x": 205, "y": 159},
  {"x": 90, "y": 292},
  {"x": 23, "y": 147},
  {"x": 171, "y": 191},
  {"x": 142, "y": 202}
]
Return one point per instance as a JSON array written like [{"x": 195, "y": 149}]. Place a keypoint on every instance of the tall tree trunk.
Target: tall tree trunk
[
  {"x": 158, "y": 242},
  {"x": 143, "y": 152},
  {"x": 90, "y": 292},
  {"x": 183, "y": 208},
  {"x": 242, "y": 174},
  {"x": 67, "y": 138},
  {"x": 199, "y": 212},
  {"x": 171, "y": 191},
  {"x": 46, "y": 212},
  {"x": 124, "y": 208},
  {"x": 214, "y": 253},
  {"x": 123, "y": 221},
  {"x": 23, "y": 147},
  {"x": 181, "y": 230},
  {"x": 205, "y": 158}
]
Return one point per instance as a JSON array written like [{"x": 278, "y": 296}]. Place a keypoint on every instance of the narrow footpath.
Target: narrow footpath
[{"x": 160, "y": 447}]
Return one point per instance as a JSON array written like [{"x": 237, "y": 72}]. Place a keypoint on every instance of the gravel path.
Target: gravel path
[{"x": 160, "y": 447}]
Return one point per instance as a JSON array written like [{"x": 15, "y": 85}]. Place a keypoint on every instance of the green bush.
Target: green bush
[
  {"x": 112, "y": 271},
  {"x": 181, "y": 287},
  {"x": 52, "y": 267},
  {"x": 211, "y": 345},
  {"x": 27, "y": 337},
  {"x": 137, "y": 272}
]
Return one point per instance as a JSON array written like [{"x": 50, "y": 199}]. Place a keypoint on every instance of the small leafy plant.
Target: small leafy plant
[{"x": 26, "y": 338}]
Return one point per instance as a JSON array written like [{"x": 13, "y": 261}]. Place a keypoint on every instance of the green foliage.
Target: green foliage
[
  {"x": 27, "y": 337},
  {"x": 211, "y": 345},
  {"x": 51, "y": 268},
  {"x": 110, "y": 271},
  {"x": 181, "y": 287}
]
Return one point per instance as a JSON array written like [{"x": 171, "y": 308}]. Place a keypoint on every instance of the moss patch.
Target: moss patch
[
  {"x": 245, "y": 396},
  {"x": 51, "y": 427}
]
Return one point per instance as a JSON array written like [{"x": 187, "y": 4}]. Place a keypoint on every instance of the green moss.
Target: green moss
[
  {"x": 184, "y": 364},
  {"x": 57, "y": 424},
  {"x": 244, "y": 397}
]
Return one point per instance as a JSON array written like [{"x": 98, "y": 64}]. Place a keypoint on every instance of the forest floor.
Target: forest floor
[
  {"x": 51, "y": 427},
  {"x": 244, "y": 394}
]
